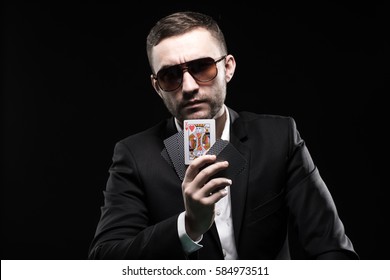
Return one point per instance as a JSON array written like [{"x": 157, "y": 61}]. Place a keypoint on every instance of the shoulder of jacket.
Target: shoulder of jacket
[
  {"x": 251, "y": 116},
  {"x": 148, "y": 133}
]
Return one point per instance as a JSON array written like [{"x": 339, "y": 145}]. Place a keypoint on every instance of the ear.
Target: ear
[
  {"x": 155, "y": 85},
  {"x": 230, "y": 67}
]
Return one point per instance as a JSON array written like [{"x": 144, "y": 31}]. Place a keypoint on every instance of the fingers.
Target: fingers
[
  {"x": 203, "y": 168},
  {"x": 197, "y": 164},
  {"x": 214, "y": 190},
  {"x": 199, "y": 181},
  {"x": 217, "y": 189}
]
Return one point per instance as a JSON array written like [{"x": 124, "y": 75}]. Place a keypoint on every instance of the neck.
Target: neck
[{"x": 220, "y": 124}]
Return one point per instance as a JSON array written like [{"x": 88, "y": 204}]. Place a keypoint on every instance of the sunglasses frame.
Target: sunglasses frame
[{"x": 184, "y": 68}]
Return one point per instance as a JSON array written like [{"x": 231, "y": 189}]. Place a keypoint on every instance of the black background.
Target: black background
[{"x": 75, "y": 79}]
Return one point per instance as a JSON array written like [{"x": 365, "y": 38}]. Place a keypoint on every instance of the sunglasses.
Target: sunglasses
[{"x": 202, "y": 70}]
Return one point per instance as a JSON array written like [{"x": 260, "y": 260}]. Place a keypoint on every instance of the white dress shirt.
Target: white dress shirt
[{"x": 223, "y": 215}]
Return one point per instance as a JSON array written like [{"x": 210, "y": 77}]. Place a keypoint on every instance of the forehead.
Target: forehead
[{"x": 189, "y": 46}]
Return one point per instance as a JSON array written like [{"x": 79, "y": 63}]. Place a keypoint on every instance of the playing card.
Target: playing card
[
  {"x": 199, "y": 136},
  {"x": 174, "y": 153},
  {"x": 224, "y": 150}
]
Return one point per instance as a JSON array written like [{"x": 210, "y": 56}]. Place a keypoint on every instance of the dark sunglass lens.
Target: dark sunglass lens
[
  {"x": 203, "y": 69},
  {"x": 170, "y": 78}
]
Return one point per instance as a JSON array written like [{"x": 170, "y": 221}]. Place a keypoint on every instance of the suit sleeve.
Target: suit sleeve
[
  {"x": 315, "y": 223},
  {"x": 123, "y": 231}
]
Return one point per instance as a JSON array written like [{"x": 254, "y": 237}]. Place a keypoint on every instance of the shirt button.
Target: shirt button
[{"x": 218, "y": 213}]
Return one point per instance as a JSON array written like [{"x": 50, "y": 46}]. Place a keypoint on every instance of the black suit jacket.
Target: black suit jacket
[{"x": 281, "y": 207}]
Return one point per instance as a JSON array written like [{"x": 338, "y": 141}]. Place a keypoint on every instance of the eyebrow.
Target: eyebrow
[{"x": 172, "y": 65}]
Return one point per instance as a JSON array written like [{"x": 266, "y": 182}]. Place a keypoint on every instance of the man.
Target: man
[{"x": 260, "y": 197}]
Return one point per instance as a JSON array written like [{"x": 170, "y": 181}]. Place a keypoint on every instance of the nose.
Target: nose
[{"x": 189, "y": 83}]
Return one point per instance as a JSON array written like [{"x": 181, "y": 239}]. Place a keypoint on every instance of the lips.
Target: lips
[{"x": 192, "y": 103}]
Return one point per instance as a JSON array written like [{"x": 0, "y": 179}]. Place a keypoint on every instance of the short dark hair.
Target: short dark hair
[{"x": 180, "y": 23}]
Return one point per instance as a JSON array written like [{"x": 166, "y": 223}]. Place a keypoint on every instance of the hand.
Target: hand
[{"x": 200, "y": 193}]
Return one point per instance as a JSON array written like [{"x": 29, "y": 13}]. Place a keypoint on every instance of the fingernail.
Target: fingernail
[{"x": 224, "y": 191}]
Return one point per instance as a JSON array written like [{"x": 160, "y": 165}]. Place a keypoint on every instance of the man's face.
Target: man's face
[{"x": 192, "y": 100}]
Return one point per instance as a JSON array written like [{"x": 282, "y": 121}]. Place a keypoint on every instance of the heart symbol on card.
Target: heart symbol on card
[{"x": 192, "y": 127}]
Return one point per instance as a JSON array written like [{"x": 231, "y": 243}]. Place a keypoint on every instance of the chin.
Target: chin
[{"x": 198, "y": 115}]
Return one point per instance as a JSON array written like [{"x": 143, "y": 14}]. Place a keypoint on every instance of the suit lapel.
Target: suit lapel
[
  {"x": 240, "y": 183},
  {"x": 239, "y": 191}
]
